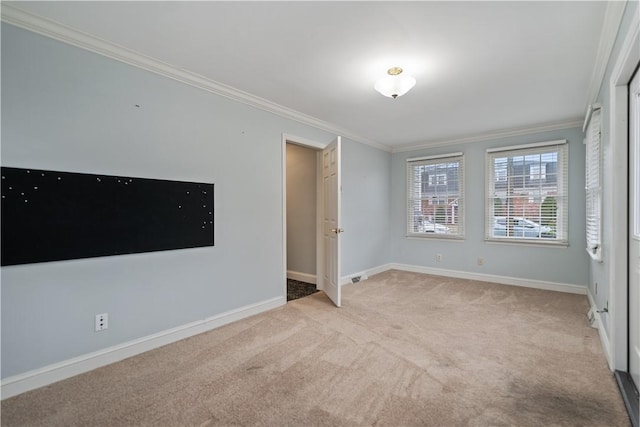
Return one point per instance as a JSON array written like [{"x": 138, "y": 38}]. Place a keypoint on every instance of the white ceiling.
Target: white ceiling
[{"x": 481, "y": 67}]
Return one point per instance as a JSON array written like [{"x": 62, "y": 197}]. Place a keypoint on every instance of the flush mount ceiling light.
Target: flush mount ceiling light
[{"x": 395, "y": 84}]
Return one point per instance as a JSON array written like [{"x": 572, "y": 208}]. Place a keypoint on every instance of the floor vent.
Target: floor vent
[{"x": 359, "y": 278}]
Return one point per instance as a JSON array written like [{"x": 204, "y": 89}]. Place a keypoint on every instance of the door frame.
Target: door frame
[
  {"x": 626, "y": 381},
  {"x": 619, "y": 126},
  {"x": 318, "y": 147}
]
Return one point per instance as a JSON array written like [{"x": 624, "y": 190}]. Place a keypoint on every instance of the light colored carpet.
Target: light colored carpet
[{"x": 405, "y": 349}]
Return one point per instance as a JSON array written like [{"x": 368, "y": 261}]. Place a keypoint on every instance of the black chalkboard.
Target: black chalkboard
[{"x": 53, "y": 216}]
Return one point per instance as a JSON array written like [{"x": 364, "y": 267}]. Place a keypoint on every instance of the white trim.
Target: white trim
[
  {"x": 34, "y": 23},
  {"x": 602, "y": 332},
  {"x": 48, "y": 28},
  {"x": 365, "y": 274},
  {"x": 532, "y": 243},
  {"x": 303, "y": 142},
  {"x": 436, "y": 236},
  {"x": 503, "y": 280},
  {"x": 319, "y": 224},
  {"x": 525, "y": 146},
  {"x": 491, "y": 278},
  {"x": 437, "y": 156},
  {"x": 617, "y": 210},
  {"x": 283, "y": 155},
  {"x": 610, "y": 27},
  {"x": 301, "y": 277},
  {"x": 498, "y": 134},
  {"x": 41, "y": 377}
]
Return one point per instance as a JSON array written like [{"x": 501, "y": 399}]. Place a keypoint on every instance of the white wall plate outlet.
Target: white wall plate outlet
[{"x": 102, "y": 322}]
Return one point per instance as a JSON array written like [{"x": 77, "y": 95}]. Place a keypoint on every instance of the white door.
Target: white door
[
  {"x": 634, "y": 229},
  {"x": 331, "y": 220}
]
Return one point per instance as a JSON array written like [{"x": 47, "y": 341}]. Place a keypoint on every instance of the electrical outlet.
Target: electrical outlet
[
  {"x": 480, "y": 261},
  {"x": 438, "y": 257},
  {"x": 102, "y": 322}
]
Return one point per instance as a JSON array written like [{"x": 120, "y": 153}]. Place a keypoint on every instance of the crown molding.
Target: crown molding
[
  {"x": 507, "y": 133},
  {"x": 52, "y": 29},
  {"x": 610, "y": 27}
]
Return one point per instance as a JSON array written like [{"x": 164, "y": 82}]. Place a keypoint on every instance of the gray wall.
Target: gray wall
[
  {"x": 562, "y": 265},
  {"x": 67, "y": 109},
  {"x": 301, "y": 209},
  {"x": 366, "y": 191},
  {"x": 599, "y": 271}
]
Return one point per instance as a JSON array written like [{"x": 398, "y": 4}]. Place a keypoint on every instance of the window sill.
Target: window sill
[
  {"x": 435, "y": 236},
  {"x": 526, "y": 242}
]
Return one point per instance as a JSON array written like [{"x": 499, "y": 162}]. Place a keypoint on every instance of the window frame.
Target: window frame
[
  {"x": 593, "y": 181},
  {"x": 458, "y": 197},
  {"x": 561, "y": 148}
]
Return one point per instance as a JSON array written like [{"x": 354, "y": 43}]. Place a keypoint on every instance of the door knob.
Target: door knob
[{"x": 337, "y": 230}]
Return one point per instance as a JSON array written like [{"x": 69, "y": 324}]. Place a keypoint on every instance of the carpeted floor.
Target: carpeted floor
[
  {"x": 297, "y": 289},
  {"x": 405, "y": 349}
]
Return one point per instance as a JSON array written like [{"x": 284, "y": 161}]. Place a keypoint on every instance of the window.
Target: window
[
  {"x": 527, "y": 193},
  {"x": 537, "y": 171},
  {"x": 593, "y": 186},
  {"x": 438, "y": 179},
  {"x": 435, "y": 196}
]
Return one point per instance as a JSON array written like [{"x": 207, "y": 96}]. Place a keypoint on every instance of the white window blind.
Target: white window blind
[
  {"x": 527, "y": 193},
  {"x": 593, "y": 184},
  {"x": 435, "y": 196}
]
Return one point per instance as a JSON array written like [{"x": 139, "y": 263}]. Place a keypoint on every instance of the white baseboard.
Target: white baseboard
[
  {"x": 36, "y": 378},
  {"x": 503, "y": 280},
  {"x": 602, "y": 332},
  {"x": 302, "y": 277},
  {"x": 364, "y": 274},
  {"x": 21, "y": 383}
]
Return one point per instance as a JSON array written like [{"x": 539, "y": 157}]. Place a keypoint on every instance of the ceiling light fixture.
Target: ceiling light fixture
[{"x": 395, "y": 84}]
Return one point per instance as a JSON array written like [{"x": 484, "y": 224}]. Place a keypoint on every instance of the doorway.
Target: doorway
[
  {"x": 302, "y": 219},
  {"x": 622, "y": 213},
  {"x": 630, "y": 379},
  {"x": 327, "y": 217}
]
